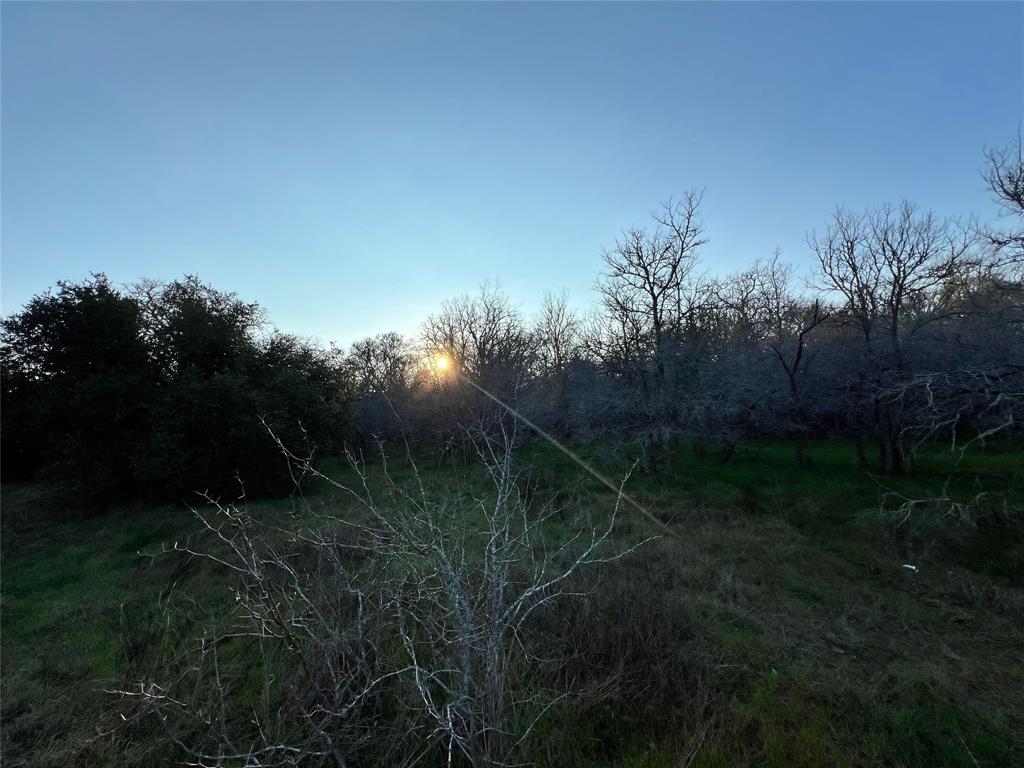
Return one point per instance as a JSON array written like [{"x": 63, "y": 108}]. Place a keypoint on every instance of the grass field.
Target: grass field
[{"x": 788, "y": 630}]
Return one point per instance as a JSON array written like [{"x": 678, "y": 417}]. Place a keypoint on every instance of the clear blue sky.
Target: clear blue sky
[{"x": 350, "y": 166}]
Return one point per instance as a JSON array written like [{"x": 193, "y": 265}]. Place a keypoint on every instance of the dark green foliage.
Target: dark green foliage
[
  {"x": 159, "y": 391},
  {"x": 76, "y": 378}
]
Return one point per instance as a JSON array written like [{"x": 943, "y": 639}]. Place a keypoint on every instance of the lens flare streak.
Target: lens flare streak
[{"x": 574, "y": 456}]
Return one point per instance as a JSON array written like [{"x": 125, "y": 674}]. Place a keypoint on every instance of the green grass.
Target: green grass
[
  {"x": 930, "y": 729},
  {"x": 816, "y": 647},
  {"x": 68, "y": 582},
  {"x": 767, "y": 470}
]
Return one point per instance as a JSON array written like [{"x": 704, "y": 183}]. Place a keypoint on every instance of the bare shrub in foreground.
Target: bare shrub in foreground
[{"x": 398, "y": 625}]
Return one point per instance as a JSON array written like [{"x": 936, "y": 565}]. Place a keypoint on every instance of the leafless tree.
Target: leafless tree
[
  {"x": 616, "y": 340},
  {"x": 1004, "y": 174},
  {"x": 769, "y": 308},
  {"x": 483, "y": 334},
  {"x": 558, "y": 337},
  {"x": 887, "y": 265},
  {"x": 556, "y": 331},
  {"x": 646, "y": 293},
  {"x": 648, "y": 271},
  {"x": 488, "y": 348},
  {"x": 382, "y": 364}
]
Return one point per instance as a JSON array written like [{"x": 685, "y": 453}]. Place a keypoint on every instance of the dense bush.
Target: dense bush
[{"x": 159, "y": 391}]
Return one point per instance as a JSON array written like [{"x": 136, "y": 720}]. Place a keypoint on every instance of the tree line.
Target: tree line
[
  {"x": 158, "y": 390},
  {"x": 910, "y": 329}
]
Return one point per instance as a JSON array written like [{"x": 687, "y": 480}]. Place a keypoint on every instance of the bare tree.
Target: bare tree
[
  {"x": 887, "y": 265},
  {"x": 484, "y": 334},
  {"x": 648, "y": 270},
  {"x": 768, "y": 312},
  {"x": 1004, "y": 174},
  {"x": 556, "y": 331},
  {"x": 645, "y": 293},
  {"x": 615, "y": 338},
  {"x": 381, "y": 364},
  {"x": 488, "y": 348},
  {"x": 558, "y": 337}
]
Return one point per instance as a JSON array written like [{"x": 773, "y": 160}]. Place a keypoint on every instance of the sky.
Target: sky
[{"x": 351, "y": 166}]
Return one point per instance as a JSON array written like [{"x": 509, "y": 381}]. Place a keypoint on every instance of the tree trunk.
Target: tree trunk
[
  {"x": 800, "y": 453},
  {"x": 862, "y": 456},
  {"x": 728, "y": 450},
  {"x": 893, "y": 458}
]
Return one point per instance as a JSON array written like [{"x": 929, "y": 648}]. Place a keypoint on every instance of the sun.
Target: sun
[{"x": 441, "y": 362}]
